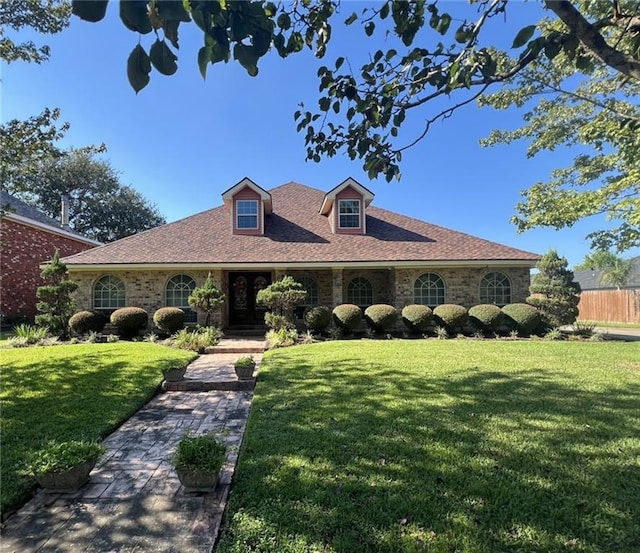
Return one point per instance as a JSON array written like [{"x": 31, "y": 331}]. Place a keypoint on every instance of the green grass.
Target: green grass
[
  {"x": 609, "y": 324},
  {"x": 441, "y": 446},
  {"x": 71, "y": 392}
]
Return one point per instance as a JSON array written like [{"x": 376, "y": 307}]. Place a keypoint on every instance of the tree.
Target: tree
[
  {"x": 44, "y": 16},
  {"x": 617, "y": 274},
  {"x": 586, "y": 55},
  {"x": 554, "y": 291},
  {"x": 56, "y": 304},
  {"x": 281, "y": 297},
  {"x": 207, "y": 298},
  {"x": 599, "y": 259},
  {"x": 100, "y": 207}
]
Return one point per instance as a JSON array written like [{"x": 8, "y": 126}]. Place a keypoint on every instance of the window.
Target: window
[
  {"x": 247, "y": 214},
  {"x": 309, "y": 284},
  {"x": 177, "y": 294},
  {"x": 360, "y": 292},
  {"x": 349, "y": 213},
  {"x": 429, "y": 290},
  {"x": 495, "y": 288},
  {"x": 108, "y": 294}
]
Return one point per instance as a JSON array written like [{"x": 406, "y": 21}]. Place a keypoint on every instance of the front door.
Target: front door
[{"x": 243, "y": 288}]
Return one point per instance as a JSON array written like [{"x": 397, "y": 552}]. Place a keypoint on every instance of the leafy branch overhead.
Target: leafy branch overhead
[{"x": 433, "y": 63}]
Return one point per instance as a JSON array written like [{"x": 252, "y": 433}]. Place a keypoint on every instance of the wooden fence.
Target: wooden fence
[{"x": 619, "y": 306}]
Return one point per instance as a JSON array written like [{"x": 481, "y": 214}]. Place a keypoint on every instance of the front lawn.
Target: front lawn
[
  {"x": 441, "y": 446},
  {"x": 69, "y": 392}
]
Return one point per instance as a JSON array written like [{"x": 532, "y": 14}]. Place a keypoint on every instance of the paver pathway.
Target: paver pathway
[{"x": 134, "y": 501}]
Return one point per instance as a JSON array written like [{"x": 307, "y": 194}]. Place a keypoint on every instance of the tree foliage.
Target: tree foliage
[
  {"x": 100, "y": 207},
  {"x": 207, "y": 298},
  {"x": 579, "y": 67},
  {"x": 56, "y": 304},
  {"x": 43, "y": 16},
  {"x": 554, "y": 291},
  {"x": 282, "y": 296}
]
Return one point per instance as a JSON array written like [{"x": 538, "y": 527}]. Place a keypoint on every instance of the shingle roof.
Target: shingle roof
[
  {"x": 9, "y": 204},
  {"x": 297, "y": 233},
  {"x": 591, "y": 279}
]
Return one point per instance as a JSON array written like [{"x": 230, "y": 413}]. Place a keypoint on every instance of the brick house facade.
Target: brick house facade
[
  {"x": 29, "y": 238},
  {"x": 342, "y": 249}
]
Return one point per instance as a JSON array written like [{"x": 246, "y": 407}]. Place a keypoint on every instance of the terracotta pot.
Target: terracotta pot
[
  {"x": 66, "y": 481},
  {"x": 197, "y": 481}
]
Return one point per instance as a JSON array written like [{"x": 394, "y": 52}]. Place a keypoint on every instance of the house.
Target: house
[
  {"x": 337, "y": 244},
  {"x": 591, "y": 279},
  {"x": 29, "y": 238}
]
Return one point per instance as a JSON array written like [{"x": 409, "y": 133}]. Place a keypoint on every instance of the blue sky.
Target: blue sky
[{"x": 182, "y": 141}]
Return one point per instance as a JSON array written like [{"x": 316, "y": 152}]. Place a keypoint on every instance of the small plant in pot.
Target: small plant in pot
[
  {"x": 198, "y": 460},
  {"x": 174, "y": 374},
  {"x": 244, "y": 367},
  {"x": 64, "y": 467}
]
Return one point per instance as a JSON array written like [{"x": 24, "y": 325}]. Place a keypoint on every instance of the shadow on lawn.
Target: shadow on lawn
[{"x": 476, "y": 460}]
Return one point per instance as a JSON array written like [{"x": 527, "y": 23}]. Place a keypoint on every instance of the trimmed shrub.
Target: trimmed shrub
[
  {"x": 486, "y": 317},
  {"x": 380, "y": 317},
  {"x": 129, "y": 321},
  {"x": 169, "y": 319},
  {"x": 347, "y": 316},
  {"x": 198, "y": 338},
  {"x": 417, "y": 318},
  {"x": 451, "y": 316},
  {"x": 318, "y": 318},
  {"x": 84, "y": 322},
  {"x": 275, "y": 321},
  {"x": 522, "y": 317}
]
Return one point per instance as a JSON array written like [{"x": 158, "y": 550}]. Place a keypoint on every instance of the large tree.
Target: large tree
[
  {"x": 100, "y": 206},
  {"x": 580, "y": 66}
]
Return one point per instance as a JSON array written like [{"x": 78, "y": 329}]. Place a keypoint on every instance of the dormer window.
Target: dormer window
[
  {"x": 247, "y": 214},
  {"x": 349, "y": 214}
]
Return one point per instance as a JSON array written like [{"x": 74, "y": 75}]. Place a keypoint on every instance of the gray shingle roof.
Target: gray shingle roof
[
  {"x": 297, "y": 233},
  {"x": 590, "y": 279},
  {"x": 11, "y": 204}
]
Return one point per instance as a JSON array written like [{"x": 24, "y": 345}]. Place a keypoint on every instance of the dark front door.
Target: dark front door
[{"x": 243, "y": 288}]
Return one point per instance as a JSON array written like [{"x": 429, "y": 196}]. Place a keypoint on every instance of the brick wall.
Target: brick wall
[{"x": 22, "y": 249}]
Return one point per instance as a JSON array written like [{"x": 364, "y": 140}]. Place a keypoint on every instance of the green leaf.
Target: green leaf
[
  {"x": 134, "y": 16},
  {"x": 204, "y": 57},
  {"x": 523, "y": 36},
  {"x": 443, "y": 25},
  {"x": 247, "y": 57},
  {"x": 384, "y": 11},
  {"x": 261, "y": 42},
  {"x": 339, "y": 63},
  {"x": 172, "y": 10},
  {"x": 552, "y": 49},
  {"x": 138, "y": 68},
  {"x": 162, "y": 58},
  {"x": 284, "y": 21},
  {"x": 171, "y": 32},
  {"x": 89, "y": 10},
  {"x": 461, "y": 34},
  {"x": 351, "y": 18},
  {"x": 369, "y": 28},
  {"x": 325, "y": 104}
]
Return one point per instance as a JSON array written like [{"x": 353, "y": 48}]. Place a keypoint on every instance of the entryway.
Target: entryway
[{"x": 243, "y": 289}]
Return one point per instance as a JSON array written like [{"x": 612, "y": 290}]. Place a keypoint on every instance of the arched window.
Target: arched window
[
  {"x": 108, "y": 294},
  {"x": 495, "y": 288},
  {"x": 177, "y": 293},
  {"x": 360, "y": 292},
  {"x": 310, "y": 285},
  {"x": 429, "y": 290}
]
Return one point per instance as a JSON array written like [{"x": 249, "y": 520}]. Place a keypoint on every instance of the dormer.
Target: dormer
[
  {"x": 346, "y": 206},
  {"x": 248, "y": 204}
]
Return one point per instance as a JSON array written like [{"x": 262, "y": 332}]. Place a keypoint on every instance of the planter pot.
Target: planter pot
[
  {"x": 66, "y": 481},
  {"x": 244, "y": 373},
  {"x": 196, "y": 481},
  {"x": 175, "y": 374}
]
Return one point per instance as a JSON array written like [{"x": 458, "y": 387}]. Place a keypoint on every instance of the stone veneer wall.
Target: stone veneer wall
[{"x": 146, "y": 289}]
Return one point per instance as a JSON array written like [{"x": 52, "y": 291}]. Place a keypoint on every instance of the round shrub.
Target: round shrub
[
  {"x": 84, "y": 322},
  {"x": 451, "y": 316},
  {"x": 522, "y": 317},
  {"x": 169, "y": 319},
  {"x": 347, "y": 316},
  {"x": 486, "y": 317},
  {"x": 417, "y": 318},
  {"x": 129, "y": 321},
  {"x": 380, "y": 317},
  {"x": 318, "y": 318}
]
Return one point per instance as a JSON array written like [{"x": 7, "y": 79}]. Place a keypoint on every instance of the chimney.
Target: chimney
[{"x": 64, "y": 216}]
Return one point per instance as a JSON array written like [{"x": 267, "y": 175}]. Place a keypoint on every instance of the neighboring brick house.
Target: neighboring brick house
[
  {"x": 340, "y": 247},
  {"x": 29, "y": 238}
]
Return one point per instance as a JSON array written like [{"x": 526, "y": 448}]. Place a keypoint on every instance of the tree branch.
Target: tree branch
[{"x": 589, "y": 36}]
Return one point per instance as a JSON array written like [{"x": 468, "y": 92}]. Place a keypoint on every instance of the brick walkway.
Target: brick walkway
[{"x": 134, "y": 501}]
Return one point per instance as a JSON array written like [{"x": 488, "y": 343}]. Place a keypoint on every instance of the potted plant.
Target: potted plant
[
  {"x": 63, "y": 467},
  {"x": 198, "y": 460},
  {"x": 174, "y": 374},
  {"x": 244, "y": 367}
]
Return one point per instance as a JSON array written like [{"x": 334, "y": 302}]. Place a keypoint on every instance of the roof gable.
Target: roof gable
[
  {"x": 227, "y": 195},
  {"x": 330, "y": 197}
]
